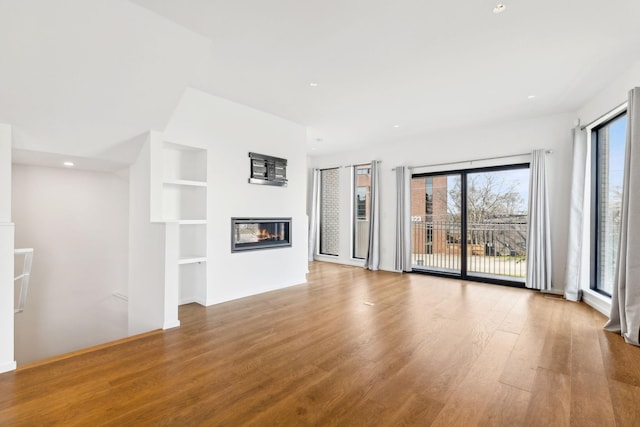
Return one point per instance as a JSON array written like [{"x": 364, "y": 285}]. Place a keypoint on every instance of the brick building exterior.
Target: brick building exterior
[
  {"x": 429, "y": 214},
  {"x": 330, "y": 212}
]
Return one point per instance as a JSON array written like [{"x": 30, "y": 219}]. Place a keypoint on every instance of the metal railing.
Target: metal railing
[
  {"x": 23, "y": 278},
  {"x": 493, "y": 248}
]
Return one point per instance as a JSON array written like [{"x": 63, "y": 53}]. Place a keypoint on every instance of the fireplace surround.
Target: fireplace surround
[{"x": 250, "y": 234}]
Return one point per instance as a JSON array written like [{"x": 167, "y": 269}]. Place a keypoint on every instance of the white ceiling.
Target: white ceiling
[{"x": 83, "y": 77}]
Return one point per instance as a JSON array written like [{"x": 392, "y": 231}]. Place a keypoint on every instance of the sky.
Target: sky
[{"x": 617, "y": 142}]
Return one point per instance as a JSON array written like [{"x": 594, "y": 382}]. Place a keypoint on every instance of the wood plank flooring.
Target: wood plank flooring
[{"x": 428, "y": 351}]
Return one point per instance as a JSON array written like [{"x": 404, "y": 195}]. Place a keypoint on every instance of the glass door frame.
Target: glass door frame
[{"x": 463, "y": 275}]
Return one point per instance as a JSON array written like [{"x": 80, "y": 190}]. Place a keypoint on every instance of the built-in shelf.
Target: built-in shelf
[
  {"x": 185, "y": 182},
  {"x": 192, "y": 260},
  {"x": 192, "y": 241},
  {"x": 183, "y": 189},
  {"x": 192, "y": 222},
  {"x": 193, "y": 283},
  {"x": 184, "y": 203},
  {"x": 184, "y": 163}
]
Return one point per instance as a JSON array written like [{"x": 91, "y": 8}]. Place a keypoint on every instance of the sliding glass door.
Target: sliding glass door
[
  {"x": 436, "y": 227},
  {"x": 471, "y": 224},
  {"x": 497, "y": 224}
]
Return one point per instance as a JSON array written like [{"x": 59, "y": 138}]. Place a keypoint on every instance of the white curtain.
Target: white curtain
[
  {"x": 576, "y": 242},
  {"x": 538, "y": 233},
  {"x": 372, "y": 262},
  {"x": 625, "y": 301},
  {"x": 313, "y": 215},
  {"x": 403, "y": 219}
]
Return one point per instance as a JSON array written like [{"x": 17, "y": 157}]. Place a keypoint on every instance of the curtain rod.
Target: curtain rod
[
  {"x": 361, "y": 164},
  {"x": 474, "y": 160},
  {"x": 596, "y": 120}
]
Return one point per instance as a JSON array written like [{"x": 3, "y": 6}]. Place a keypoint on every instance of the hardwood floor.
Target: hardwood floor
[{"x": 349, "y": 348}]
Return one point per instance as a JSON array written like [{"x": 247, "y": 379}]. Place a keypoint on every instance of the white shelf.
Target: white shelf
[
  {"x": 192, "y": 222},
  {"x": 185, "y": 182},
  {"x": 192, "y": 260},
  {"x": 183, "y": 163},
  {"x": 192, "y": 241},
  {"x": 181, "y": 185},
  {"x": 192, "y": 283}
]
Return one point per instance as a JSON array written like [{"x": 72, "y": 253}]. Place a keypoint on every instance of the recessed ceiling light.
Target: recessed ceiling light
[
  {"x": 531, "y": 96},
  {"x": 68, "y": 164},
  {"x": 499, "y": 8},
  {"x": 313, "y": 84},
  {"x": 396, "y": 126}
]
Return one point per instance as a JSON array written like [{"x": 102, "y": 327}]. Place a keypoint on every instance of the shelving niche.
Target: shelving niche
[{"x": 184, "y": 201}]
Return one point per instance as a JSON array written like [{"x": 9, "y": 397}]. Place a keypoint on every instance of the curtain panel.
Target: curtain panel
[
  {"x": 403, "y": 219},
  {"x": 314, "y": 214},
  {"x": 372, "y": 261},
  {"x": 538, "y": 233},
  {"x": 625, "y": 300},
  {"x": 576, "y": 241}
]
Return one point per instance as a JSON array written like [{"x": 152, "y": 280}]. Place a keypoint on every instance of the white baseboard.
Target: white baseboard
[
  {"x": 338, "y": 260},
  {"x": 192, "y": 300},
  {"x": 200, "y": 301},
  {"x": 217, "y": 300},
  {"x": 171, "y": 324},
  {"x": 597, "y": 301},
  {"x": 9, "y": 366}
]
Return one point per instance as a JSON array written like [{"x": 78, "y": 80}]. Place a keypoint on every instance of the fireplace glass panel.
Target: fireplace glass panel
[{"x": 260, "y": 233}]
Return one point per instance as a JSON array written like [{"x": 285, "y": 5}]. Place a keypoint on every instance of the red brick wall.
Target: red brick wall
[
  {"x": 365, "y": 181},
  {"x": 439, "y": 213},
  {"x": 419, "y": 208}
]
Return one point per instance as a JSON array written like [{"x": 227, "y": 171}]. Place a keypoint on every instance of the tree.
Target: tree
[{"x": 490, "y": 200}]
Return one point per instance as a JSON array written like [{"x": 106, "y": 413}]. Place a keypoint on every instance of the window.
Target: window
[
  {"x": 428, "y": 196},
  {"x": 361, "y": 206},
  {"x": 361, "y": 203},
  {"x": 329, "y": 211},
  {"x": 608, "y": 142}
]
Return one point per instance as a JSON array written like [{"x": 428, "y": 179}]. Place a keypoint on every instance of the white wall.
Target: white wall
[
  {"x": 552, "y": 132},
  {"x": 77, "y": 223},
  {"x": 5, "y": 173},
  {"x": 7, "y": 360},
  {"x": 611, "y": 96},
  {"x": 146, "y": 252},
  {"x": 229, "y": 131}
]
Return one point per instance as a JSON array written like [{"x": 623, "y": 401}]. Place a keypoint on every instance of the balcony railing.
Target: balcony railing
[{"x": 493, "y": 248}]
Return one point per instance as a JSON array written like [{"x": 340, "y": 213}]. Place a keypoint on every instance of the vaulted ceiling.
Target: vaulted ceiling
[{"x": 85, "y": 77}]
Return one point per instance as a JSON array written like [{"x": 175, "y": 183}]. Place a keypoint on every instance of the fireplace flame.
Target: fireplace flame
[{"x": 263, "y": 234}]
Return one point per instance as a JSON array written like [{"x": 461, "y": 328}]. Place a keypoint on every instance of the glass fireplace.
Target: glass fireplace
[{"x": 249, "y": 234}]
